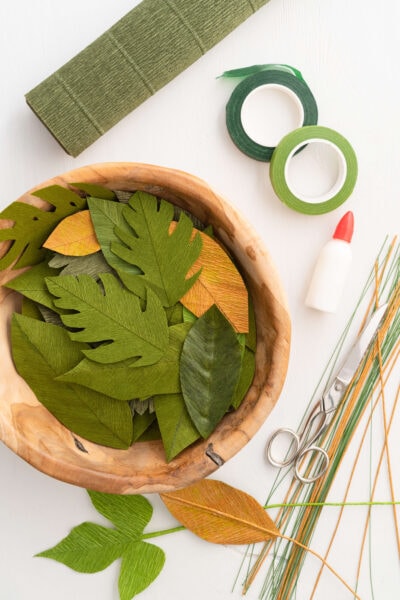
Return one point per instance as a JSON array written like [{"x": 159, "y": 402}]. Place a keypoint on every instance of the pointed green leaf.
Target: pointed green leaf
[
  {"x": 141, "y": 564},
  {"x": 41, "y": 352},
  {"x": 106, "y": 216},
  {"x": 29, "y": 308},
  {"x": 91, "y": 264},
  {"x": 163, "y": 257},
  {"x": 98, "y": 191},
  {"x": 129, "y": 514},
  {"x": 88, "y": 548},
  {"x": 175, "y": 314},
  {"x": 114, "y": 316},
  {"x": 245, "y": 378},
  {"x": 177, "y": 429},
  {"x": 139, "y": 382},
  {"x": 32, "y": 225},
  {"x": 141, "y": 423},
  {"x": 31, "y": 284},
  {"x": 210, "y": 367}
]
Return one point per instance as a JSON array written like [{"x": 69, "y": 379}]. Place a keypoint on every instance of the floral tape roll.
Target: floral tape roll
[
  {"x": 280, "y": 79},
  {"x": 347, "y": 172}
]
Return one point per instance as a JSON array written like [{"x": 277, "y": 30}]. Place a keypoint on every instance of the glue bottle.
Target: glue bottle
[{"x": 332, "y": 267}]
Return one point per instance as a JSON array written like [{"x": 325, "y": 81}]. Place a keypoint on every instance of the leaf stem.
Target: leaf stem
[{"x": 163, "y": 532}]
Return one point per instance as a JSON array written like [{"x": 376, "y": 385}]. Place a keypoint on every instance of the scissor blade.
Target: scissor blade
[{"x": 357, "y": 352}]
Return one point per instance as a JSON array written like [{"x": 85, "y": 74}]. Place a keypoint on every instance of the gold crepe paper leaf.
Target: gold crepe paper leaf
[
  {"x": 74, "y": 236},
  {"x": 220, "y": 513},
  {"x": 219, "y": 283}
]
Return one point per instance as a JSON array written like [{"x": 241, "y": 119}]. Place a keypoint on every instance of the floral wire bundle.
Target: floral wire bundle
[{"x": 303, "y": 504}]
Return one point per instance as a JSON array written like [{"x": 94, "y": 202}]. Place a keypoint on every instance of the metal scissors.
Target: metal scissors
[{"x": 302, "y": 444}]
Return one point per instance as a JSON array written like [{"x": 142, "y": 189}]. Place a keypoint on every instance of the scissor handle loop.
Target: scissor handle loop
[
  {"x": 292, "y": 455},
  {"x": 321, "y": 471}
]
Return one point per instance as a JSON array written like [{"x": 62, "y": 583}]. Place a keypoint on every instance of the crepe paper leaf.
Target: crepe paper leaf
[
  {"x": 152, "y": 433},
  {"x": 74, "y": 236},
  {"x": 92, "y": 189},
  {"x": 33, "y": 225},
  {"x": 123, "y": 196},
  {"x": 49, "y": 315},
  {"x": 219, "y": 283},
  {"x": 41, "y": 352},
  {"x": 196, "y": 222},
  {"x": 124, "y": 382},
  {"x": 210, "y": 368},
  {"x": 113, "y": 316},
  {"x": 106, "y": 216},
  {"x": 30, "y": 309},
  {"x": 141, "y": 564},
  {"x": 141, "y": 423},
  {"x": 90, "y": 548},
  {"x": 141, "y": 406},
  {"x": 245, "y": 378},
  {"x": 220, "y": 513},
  {"x": 177, "y": 429},
  {"x": 251, "y": 337},
  {"x": 174, "y": 314},
  {"x": 91, "y": 264},
  {"x": 31, "y": 284},
  {"x": 163, "y": 256},
  {"x": 188, "y": 316}
]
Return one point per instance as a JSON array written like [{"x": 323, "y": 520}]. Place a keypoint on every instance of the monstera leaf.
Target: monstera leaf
[
  {"x": 115, "y": 315},
  {"x": 164, "y": 257},
  {"x": 33, "y": 225}
]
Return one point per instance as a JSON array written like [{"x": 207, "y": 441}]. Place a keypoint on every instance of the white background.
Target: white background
[{"x": 349, "y": 54}]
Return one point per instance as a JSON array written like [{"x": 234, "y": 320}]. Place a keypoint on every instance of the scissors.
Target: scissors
[{"x": 303, "y": 443}]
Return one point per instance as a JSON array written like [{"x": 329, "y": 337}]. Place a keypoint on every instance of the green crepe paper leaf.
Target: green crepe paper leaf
[
  {"x": 174, "y": 314},
  {"x": 113, "y": 316},
  {"x": 141, "y": 564},
  {"x": 30, "y": 309},
  {"x": 98, "y": 191},
  {"x": 41, "y": 352},
  {"x": 245, "y": 378},
  {"x": 31, "y": 284},
  {"x": 152, "y": 433},
  {"x": 210, "y": 368},
  {"x": 106, "y": 216},
  {"x": 129, "y": 514},
  {"x": 49, "y": 315},
  {"x": 32, "y": 225},
  {"x": 91, "y": 264},
  {"x": 141, "y": 423},
  {"x": 177, "y": 429},
  {"x": 188, "y": 316},
  {"x": 123, "y": 382},
  {"x": 163, "y": 257},
  {"x": 88, "y": 548}
]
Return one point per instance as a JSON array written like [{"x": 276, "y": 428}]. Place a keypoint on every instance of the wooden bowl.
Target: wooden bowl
[{"x": 34, "y": 434}]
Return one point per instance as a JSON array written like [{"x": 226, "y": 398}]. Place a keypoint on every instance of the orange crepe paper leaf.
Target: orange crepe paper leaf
[
  {"x": 219, "y": 283},
  {"x": 74, "y": 236},
  {"x": 220, "y": 513}
]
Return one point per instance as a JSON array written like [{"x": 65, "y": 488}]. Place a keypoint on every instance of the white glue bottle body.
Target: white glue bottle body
[{"x": 332, "y": 268}]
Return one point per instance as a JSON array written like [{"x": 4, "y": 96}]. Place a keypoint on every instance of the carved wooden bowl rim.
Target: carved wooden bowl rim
[{"x": 35, "y": 435}]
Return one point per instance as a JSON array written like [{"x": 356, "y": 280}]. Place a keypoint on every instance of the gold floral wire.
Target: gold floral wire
[{"x": 295, "y": 490}]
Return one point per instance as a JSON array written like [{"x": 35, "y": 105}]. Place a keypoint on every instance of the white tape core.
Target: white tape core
[
  {"x": 340, "y": 166},
  {"x": 269, "y": 112}
]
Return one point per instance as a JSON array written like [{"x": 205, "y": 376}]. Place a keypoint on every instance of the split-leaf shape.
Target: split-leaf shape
[
  {"x": 32, "y": 225},
  {"x": 74, "y": 236},
  {"x": 112, "y": 315},
  {"x": 92, "y": 264},
  {"x": 31, "y": 284},
  {"x": 176, "y": 426},
  {"x": 90, "y": 548},
  {"x": 164, "y": 257},
  {"x": 220, "y": 513},
  {"x": 106, "y": 216},
  {"x": 210, "y": 367},
  {"x": 42, "y": 351},
  {"x": 219, "y": 283},
  {"x": 124, "y": 382}
]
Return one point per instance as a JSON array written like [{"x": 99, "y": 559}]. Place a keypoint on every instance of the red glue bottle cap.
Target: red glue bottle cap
[{"x": 345, "y": 228}]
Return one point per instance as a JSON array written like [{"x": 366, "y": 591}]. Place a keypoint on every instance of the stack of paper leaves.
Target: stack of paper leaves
[{"x": 135, "y": 323}]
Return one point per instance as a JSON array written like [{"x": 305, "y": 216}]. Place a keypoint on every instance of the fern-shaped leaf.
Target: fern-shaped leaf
[{"x": 113, "y": 315}]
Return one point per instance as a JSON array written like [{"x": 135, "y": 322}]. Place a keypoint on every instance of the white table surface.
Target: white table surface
[{"x": 349, "y": 54}]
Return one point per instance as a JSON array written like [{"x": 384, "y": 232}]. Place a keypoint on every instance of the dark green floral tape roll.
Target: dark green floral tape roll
[
  {"x": 142, "y": 52},
  {"x": 347, "y": 171},
  {"x": 276, "y": 78}
]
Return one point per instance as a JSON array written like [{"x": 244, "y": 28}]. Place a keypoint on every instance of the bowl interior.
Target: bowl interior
[{"x": 35, "y": 435}]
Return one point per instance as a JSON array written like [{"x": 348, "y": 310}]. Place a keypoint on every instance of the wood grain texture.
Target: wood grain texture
[{"x": 34, "y": 434}]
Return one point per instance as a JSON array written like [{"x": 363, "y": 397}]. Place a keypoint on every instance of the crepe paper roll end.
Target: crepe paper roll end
[
  {"x": 131, "y": 61},
  {"x": 332, "y": 268}
]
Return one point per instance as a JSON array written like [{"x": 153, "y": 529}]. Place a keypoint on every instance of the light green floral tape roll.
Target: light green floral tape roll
[{"x": 285, "y": 151}]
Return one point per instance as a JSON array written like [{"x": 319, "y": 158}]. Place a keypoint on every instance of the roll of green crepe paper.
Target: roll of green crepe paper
[{"x": 142, "y": 52}]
